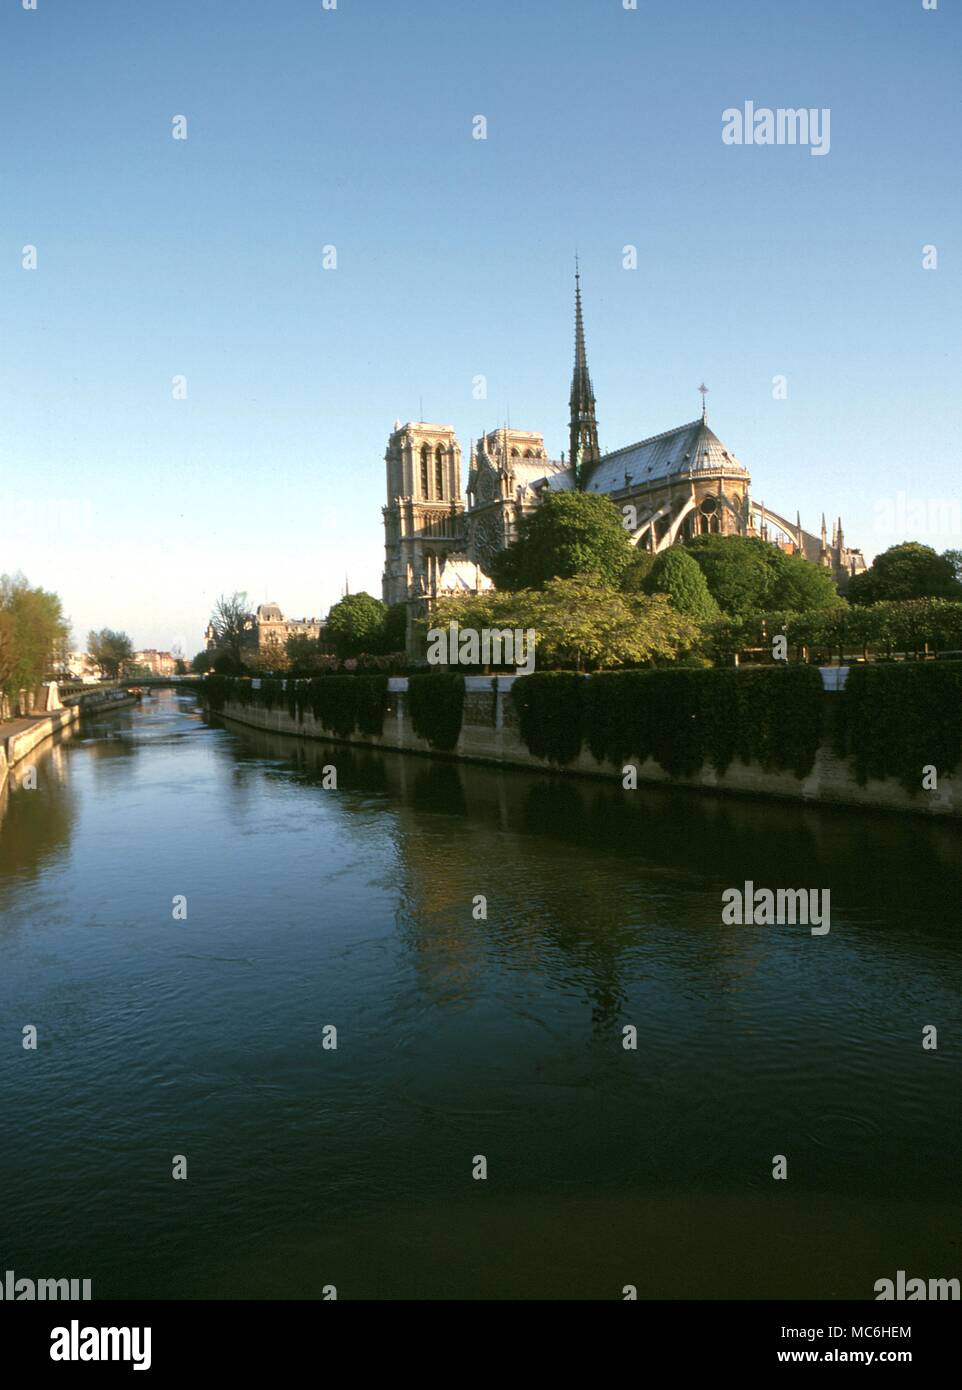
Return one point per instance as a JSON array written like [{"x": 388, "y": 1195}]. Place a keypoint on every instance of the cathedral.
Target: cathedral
[{"x": 669, "y": 488}]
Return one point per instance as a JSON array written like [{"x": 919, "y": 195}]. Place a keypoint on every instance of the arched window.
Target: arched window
[
  {"x": 425, "y": 455},
  {"x": 710, "y": 516},
  {"x": 439, "y": 472}
]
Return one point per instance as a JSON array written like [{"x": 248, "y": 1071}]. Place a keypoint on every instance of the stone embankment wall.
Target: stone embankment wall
[
  {"x": 489, "y": 734},
  {"x": 30, "y": 733}
]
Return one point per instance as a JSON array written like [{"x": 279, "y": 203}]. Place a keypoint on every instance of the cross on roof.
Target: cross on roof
[{"x": 704, "y": 404}]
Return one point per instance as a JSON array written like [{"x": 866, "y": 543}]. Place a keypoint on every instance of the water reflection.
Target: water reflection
[
  {"x": 36, "y": 822},
  {"x": 458, "y": 1034}
]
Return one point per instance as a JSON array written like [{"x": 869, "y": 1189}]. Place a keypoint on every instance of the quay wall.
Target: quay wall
[{"x": 489, "y": 734}]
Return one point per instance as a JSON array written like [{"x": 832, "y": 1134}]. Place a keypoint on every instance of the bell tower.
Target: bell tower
[{"x": 424, "y": 516}]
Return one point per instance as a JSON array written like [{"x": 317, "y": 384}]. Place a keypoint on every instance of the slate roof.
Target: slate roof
[{"x": 663, "y": 456}]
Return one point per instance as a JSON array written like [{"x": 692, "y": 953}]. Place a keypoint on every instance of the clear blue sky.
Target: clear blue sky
[{"x": 352, "y": 127}]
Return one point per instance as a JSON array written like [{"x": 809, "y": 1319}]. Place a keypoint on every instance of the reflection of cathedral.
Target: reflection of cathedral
[{"x": 669, "y": 488}]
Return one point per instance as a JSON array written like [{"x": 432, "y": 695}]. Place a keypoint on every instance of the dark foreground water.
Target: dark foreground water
[{"x": 458, "y": 1037}]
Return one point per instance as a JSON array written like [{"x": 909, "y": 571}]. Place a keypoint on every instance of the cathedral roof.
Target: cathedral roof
[
  {"x": 530, "y": 471},
  {"x": 693, "y": 446}
]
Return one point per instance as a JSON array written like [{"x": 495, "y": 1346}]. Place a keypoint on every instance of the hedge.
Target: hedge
[
  {"x": 436, "y": 706},
  {"x": 341, "y": 704},
  {"x": 897, "y": 719},
  {"x": 682, "y": 718},
  {"x": 550, "y": 714}
]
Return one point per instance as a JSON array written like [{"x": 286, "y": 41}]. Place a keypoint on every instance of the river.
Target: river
[{"x": 460, "y": 1036}]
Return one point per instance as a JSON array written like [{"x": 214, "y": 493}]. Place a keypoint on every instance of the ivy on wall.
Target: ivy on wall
[
  {"x": 341, "y": 704},
  {"x": 683, "y": 718},
  {"x": 436, "y": 706},
  {"x": 549, "y": 705},
  {"x": 896, "y": 720}
]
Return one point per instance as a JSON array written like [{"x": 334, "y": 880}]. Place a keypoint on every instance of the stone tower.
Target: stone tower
[
  {"x": 583, "y": 429},
  {"x": 424, "y": 516}
]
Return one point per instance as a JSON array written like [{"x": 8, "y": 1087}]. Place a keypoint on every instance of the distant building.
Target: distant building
[
  {"x": 157, "y": 663},
  {"x": 268, "y": 629},
  {"x": 79, "y": 666}
]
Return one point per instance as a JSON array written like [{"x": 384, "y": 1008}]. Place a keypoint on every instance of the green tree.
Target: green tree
[
  {"x": 580, "y": 624},
  {"x": 32, "y": 633},
  {"x": 906, "y": 571},
  {"x": 677, "y": 575},
  {"x": 954, "y": 558},
  {"x": 800, "y": 586},
  {"x": 110, "y": 650},
  {"x": 356, "y": 625},
  {"x": 569, "y": 534},
  {"x": 741, "y": 571},
  {"x": 637, "y": 571},
  {"x": 395, "y": 628}
]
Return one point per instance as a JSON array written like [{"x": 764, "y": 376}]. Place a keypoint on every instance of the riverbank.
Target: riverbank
[
  {"x": 20, "y": 737},
  {"x": 490, "y": 734}
]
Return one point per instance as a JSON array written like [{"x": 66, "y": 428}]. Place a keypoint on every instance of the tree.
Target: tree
[
  {"x": 230, "y": 621},
  {"x": 954, "y": 558},
  {"x": 579, "y": 623},
  {"x": 740, "y": 571},
  {"x": 569, "y": 534},
  {"x": 395, "y": 628},
  {"x": 32, "y": 632},
  {"x": 679, "y": 577},
  {"x": 906, "y": 571},
  {"x": 110, "y": 650},
  {"x": 202, "y": 663},
  {"x": 356, "y": 625},
  {"x": 637, "y": 571},
  {"x": 800, "y": 586},
  {"x": 180, "y": 667}
]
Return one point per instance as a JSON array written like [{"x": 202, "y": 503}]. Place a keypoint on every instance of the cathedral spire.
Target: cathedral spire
[{"x": 583, "y": 431}]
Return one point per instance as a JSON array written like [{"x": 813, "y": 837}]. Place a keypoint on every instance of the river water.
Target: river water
[{"x": 309, "y": 907}]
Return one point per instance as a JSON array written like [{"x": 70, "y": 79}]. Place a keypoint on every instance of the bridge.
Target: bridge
[{"x": 73, "y": 692}]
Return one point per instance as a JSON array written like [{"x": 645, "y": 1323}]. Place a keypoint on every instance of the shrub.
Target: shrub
[
  {"x": 895, "y": 720},
  {"x": 682, "y": 718},
  {"x": 436, "y": 705},
  {"x": 549, "y": 706}
]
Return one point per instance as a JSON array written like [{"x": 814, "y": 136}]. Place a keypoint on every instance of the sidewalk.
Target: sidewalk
[{"x": 12, "y": 727}]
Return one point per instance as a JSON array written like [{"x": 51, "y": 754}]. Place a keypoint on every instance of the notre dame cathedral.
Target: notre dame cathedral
[{"x": 669, "y": 487}]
